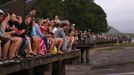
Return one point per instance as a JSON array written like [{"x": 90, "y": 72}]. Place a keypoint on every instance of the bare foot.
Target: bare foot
[{"x": 60, "y": 52}]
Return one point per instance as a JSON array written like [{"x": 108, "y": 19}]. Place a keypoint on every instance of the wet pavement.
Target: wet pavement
[
  {"x": 119, "y": 61},
  {"x": 124, "y": 69}
]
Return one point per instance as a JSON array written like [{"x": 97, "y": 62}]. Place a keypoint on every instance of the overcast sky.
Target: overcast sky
[{"x": 120, "y": 13}]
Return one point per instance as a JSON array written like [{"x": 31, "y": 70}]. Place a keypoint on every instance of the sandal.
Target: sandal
[
  {"x": 60, "y": 52},
  {"x": 1, "y": 59},
  {"x": 32, "y": 53},
  {"x": 18, "y": 57},
  {"x": 29, "y": 55}
]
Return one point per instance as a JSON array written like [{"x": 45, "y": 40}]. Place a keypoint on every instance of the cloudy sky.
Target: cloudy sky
[{"x": 120, "y": 13}]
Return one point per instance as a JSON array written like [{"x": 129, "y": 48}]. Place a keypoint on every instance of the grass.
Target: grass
[
  {"x": 108, "y": 48},
  {"x": 127, "y": 44},
  {"x": 120, "y": 46}
]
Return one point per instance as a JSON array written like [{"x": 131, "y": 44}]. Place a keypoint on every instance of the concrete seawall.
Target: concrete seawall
[{"x": 50, "y": 64}]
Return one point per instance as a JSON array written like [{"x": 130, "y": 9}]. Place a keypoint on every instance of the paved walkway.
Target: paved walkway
[
  {"x": 110, "y": 57},
  {"x": 113, "y": 62},
  {"x": 108, "y": 70}
]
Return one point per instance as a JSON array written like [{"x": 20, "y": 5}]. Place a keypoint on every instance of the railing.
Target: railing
[
  {"x": 17, "y": 6},
  {"x": 20, "y": 7},
  {"x": 4, "y": 1}
]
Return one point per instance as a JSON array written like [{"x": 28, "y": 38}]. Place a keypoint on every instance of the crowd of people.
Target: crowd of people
[
  {"x": 93, "y": 38},
  {"x": 30, "y": 36}
]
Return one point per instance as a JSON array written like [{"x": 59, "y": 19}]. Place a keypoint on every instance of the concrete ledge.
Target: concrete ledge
[
  {"x": 83, "y": 46},
  {"x": 28, "y": 63}
]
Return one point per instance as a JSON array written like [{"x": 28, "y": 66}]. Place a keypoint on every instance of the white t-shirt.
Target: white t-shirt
[{"x": 54, "y": 29}]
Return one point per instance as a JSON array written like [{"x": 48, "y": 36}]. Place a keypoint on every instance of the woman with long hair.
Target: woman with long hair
[{"x": 15, "y": 41}]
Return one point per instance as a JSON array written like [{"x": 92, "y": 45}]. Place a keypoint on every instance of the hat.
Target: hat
[
  {"x": 1, "y": 11},
  {"x": 65, "y": 23}
]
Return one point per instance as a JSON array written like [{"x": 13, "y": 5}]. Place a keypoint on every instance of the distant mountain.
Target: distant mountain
[
  {"x": 128, "y": 31},
  {"x": 113, "y": 30}
]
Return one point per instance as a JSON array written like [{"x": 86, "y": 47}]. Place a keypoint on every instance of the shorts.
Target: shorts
[{"x": 4, "y": 40}]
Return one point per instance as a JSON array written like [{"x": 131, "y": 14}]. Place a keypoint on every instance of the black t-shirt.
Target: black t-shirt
[
  {"x": 28, "y": 29},
  {"x": 11, "y": 23},
  {"x": 14, "y": 23},
  {"x": 17, "y": 25}
]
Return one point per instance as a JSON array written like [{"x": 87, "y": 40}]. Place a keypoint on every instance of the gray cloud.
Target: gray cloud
[{"x": 119, "y": 13}]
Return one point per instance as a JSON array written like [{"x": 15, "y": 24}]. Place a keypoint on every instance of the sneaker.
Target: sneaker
[
  {"x": 1, "y": 62},
  {"x": 9, "y": 61},
  {"x": 16, "y": 61}
]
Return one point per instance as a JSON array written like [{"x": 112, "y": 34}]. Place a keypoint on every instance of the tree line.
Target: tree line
[{"x": 85, "y": 14}]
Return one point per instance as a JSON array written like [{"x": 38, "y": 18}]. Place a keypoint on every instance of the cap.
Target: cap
[{"x": 1, "y": 11}]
